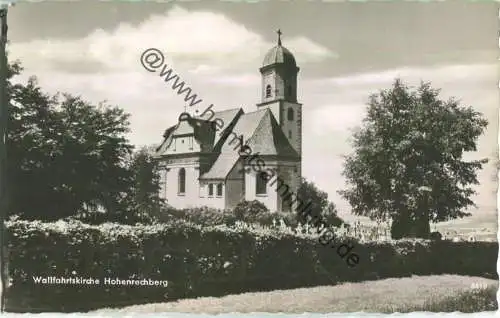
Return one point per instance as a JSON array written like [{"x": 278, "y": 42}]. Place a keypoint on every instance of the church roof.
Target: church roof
[
  {"x": 269, "y": 139},
  {"x": 226, "y": 117},
  {"x": 167, "y": 137},
  {"x": 261, "y": 132},
  {"x": 279, "y": 55},
  {"x": 185, "y": 126},
  {"x": 245, "y": 126},
  {"x": 223, "y": 114},
  {"x": 203, "y": 131}
]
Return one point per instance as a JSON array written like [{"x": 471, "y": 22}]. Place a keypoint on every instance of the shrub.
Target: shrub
[
  {"x": 436, "y": 236},
  {"x": 130, "y": 216},
  {"x": 205, "y": 216},
  {"x": 247, "y": 210}
]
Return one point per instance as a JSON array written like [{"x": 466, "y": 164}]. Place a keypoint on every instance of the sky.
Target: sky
[{"x": 346, "y": 51}]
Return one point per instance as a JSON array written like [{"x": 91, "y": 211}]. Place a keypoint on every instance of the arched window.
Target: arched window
[
  {"x": 290, "y": 114},
  {"x": 268, "y": 91},
  {"x": 182, "y": 181},
  {"x": 261, "y": 183}
]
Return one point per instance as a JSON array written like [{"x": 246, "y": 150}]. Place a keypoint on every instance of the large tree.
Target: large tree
[
  {"x": 64, "y": 153},
  {"x": 407, "y": 163}
]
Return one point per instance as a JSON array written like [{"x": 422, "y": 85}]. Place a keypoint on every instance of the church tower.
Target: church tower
[{"x": 279, "y": 93}]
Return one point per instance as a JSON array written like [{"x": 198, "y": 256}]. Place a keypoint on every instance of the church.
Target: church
[{"x": 201, "y": 159}]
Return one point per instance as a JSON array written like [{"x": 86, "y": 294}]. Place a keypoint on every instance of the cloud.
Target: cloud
[
  {"x": 195, "y": 41},
  {"x": 242, "y": 80},
  {"x": 442, "y": 74},
  {"x": 342, "y": 100},
  {"x": 335, "y": 118}
]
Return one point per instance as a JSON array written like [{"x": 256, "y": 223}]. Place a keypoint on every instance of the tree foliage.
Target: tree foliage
[
  {"x": 407, "y": 163},
  {"x": 64, "y": 153},
  {"x": 145, "y": 188},
  {"x": 320, "y": 206}
]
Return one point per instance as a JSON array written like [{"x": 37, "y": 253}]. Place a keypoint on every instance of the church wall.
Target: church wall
[
  {"x": 270, "y": 199},
  {"x": 234, "y": 193},
  {"x": 288, "y": 184},
  {"x": 235, "y": 186},
  {"x": 268, "y": 79},
  {"x": 279, "y": 86},
  {"x": 295, "y": 127},
  {"x": 277, "y": 82},
  {"x": 292, "y": 126},
  {"x": 191, "y": 196},
  {"x": 183, "y": 144},
  {"x": 196, "y": 192},
  {"x": 213, "y": 201}
]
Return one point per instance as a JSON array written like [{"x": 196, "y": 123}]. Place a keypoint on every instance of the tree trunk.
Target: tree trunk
[
  {"x": 404, "y": 227},
  {"x": 422, "y": 228},
  {"x": 400, "y": 226}
]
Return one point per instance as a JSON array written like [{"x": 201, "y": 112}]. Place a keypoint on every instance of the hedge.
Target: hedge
[
  {"x": 211, "y": 261},
  {"x": 247, "y": 211}
]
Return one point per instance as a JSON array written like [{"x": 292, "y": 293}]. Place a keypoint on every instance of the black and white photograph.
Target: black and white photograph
[{"x": 214, "y": 157}]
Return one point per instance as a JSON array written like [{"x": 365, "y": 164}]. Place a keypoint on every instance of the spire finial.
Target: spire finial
[{"x": 279, "y": 37}]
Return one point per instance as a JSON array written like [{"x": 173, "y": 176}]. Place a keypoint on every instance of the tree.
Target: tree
[
  {"x": 64, "y": 153},
  {"x": 320, "y": 206},
  {"x": 140, "y": 202},
  {"x": 145, "y": 189},
  {"x": 407, "y": 163}
]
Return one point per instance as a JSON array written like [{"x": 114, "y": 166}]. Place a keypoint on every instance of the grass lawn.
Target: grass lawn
[{"x": 417, "y": 293}]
